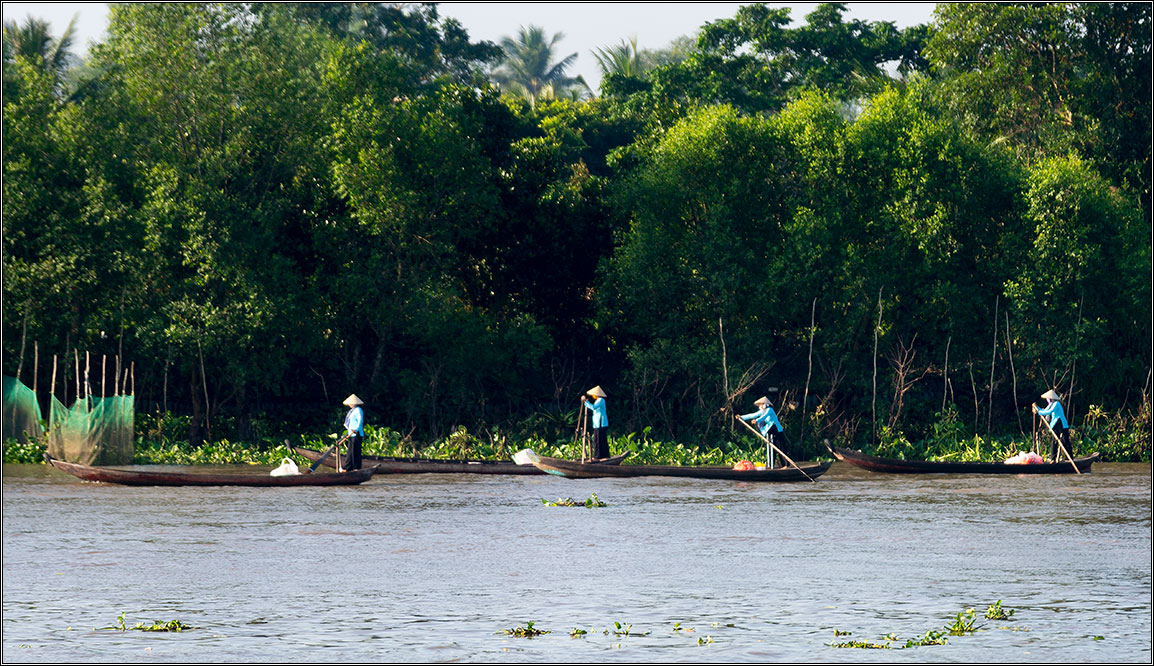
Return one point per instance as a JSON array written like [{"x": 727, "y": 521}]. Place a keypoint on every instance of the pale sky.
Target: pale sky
[{"x": 585, "y": 25}]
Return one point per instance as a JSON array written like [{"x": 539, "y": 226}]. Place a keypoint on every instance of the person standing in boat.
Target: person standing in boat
[
  {"x": 765, "y": 418},
  {"x": 600, "y": 421},
  {"x": 354, "y": 432},
  {"x": 1058, "y": 423}
]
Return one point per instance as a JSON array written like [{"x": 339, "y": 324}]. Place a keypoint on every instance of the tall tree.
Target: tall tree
[
  {"x": 622, "y": 59},
  {"x": 33, "y": 41},
  {"x": 430, "y": 47},
  {"x": 528, "y": 68},
  {"x": 756, "y": 62},
  {"x": 1048, "y": 78}
]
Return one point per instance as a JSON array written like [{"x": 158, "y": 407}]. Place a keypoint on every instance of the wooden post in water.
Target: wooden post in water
[
  {"x": 946, "y": 374},
  {"x": 808, "y": 373},
  {"x": 874, "y": 404},
  {"x": 993, "y": 358},
  {"x": 1013, "y": 376}
]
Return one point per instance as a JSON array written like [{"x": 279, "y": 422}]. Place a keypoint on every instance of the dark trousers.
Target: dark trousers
[
  {"x": 1064, "y": 435},
  {"x": 776, "y": 436},
  {"x": 353, "y": 457},
  {"x": 601, "y": 442}
]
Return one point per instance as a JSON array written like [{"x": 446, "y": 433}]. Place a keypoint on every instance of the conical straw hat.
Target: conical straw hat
[
  {"x": 353, "y": 401},
  {"x": 1051, "y": 395},
  {"x": 596, "y": 392},
  {"x": 761, "y": 401}
]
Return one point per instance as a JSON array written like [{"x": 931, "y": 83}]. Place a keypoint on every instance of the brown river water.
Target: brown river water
[{"x": 432, "y": 568}]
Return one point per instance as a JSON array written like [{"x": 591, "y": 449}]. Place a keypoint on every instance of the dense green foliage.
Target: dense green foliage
[{"x": 908, "y": 233}]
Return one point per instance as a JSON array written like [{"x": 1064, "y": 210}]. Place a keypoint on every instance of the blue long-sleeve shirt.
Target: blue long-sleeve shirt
[
  {"x": 764, "y": 418},
  {"x": 1055, "y": 412},
  {"x": 600, "y": 414},
  {"x": 355, "y": 421}
]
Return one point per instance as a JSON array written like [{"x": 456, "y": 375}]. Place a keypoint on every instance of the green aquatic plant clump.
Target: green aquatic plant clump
[
  {"x": 527, "y": 631},
  {"x": 996, "y": 612},
  {"x": 963, "y": 623},
  {"x": 223, "y": 452},
  {"x": 863, "y": 645},
  {"x": 931, "y": 637},
  {"x": 591, "y": 503},
  {"x": 156, "y": 626},
  {"x": 30, "y": 452},
  {"x": 625, "y": 630}
]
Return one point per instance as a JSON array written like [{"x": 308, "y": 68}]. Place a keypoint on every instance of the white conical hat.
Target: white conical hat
[
  {"x": 596, "y": 392},
  {"x": 761, "y": 400},
  {"x": 353, "y": 401},
  {"x": 1051, "y": 395}
]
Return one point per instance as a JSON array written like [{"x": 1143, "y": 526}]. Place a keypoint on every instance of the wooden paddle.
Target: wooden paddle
[
  {"x": 324, "y": 455},
  {"x": 787, "y": 459},
  {"x": 1060, "y": 444}
]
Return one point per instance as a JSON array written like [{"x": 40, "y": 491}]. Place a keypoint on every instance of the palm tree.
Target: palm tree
[
  {"x": 623, "y": 59},
  {"x": 528, "y": 68},
  {"x": 33, "y": 41}
]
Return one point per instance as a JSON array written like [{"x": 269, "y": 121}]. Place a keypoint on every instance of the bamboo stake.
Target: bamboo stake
[
  {"x": 1013, "y": 376},
  {"x": 87, "y": 367},
  {"x": 725, "y": 371},
  {"x": 103, "y": 370},
  {"x": 23, "y": 337},
  {"x": 76, "y": 353},
  {"x": 766, "y": 440},
  {"x": 52, "y": 387},
  {"x": 874, "y": 406},
  {"x": 808, "y": 373},
  {"x": 974, "y": 388},
  {"x": 946, "y": 374},
  {"x": 35, "y": 366},
  {"x": 993, "y": 358},
  {"x": 1074, "y": 367}
]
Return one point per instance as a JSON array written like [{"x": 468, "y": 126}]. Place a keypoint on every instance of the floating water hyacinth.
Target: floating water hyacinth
[
  {"x": 593, "y": 502},
  {"x": 528, "y": 631}
]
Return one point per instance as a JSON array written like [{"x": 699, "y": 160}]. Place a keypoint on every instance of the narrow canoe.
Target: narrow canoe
[
  {"x": 388, "y": 465},
  {"x": 894, "y": 466},
  {"x": 148, "y": 478},
  {"x": 575, "y": 470}
]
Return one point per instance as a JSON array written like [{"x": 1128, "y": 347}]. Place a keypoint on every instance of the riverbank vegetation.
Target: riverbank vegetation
[{"x": 897, "y": 234}]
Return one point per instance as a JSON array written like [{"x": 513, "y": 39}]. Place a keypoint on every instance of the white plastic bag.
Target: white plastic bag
[{"x": 287, "y": 468}]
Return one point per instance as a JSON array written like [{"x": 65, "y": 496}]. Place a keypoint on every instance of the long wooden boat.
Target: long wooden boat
[
  {"x": 575, "y": 470},
  {"x": 149, "y": 478},
  {"x": 894, "y": 466},
  {"x": 390, "y": 465}
]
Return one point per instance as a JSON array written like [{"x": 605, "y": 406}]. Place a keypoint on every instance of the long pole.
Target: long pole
[
  {"x": 1060, "y": 444},
  {"x": 584, "y": 431},
  {"x": 787, "y": 458}
]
